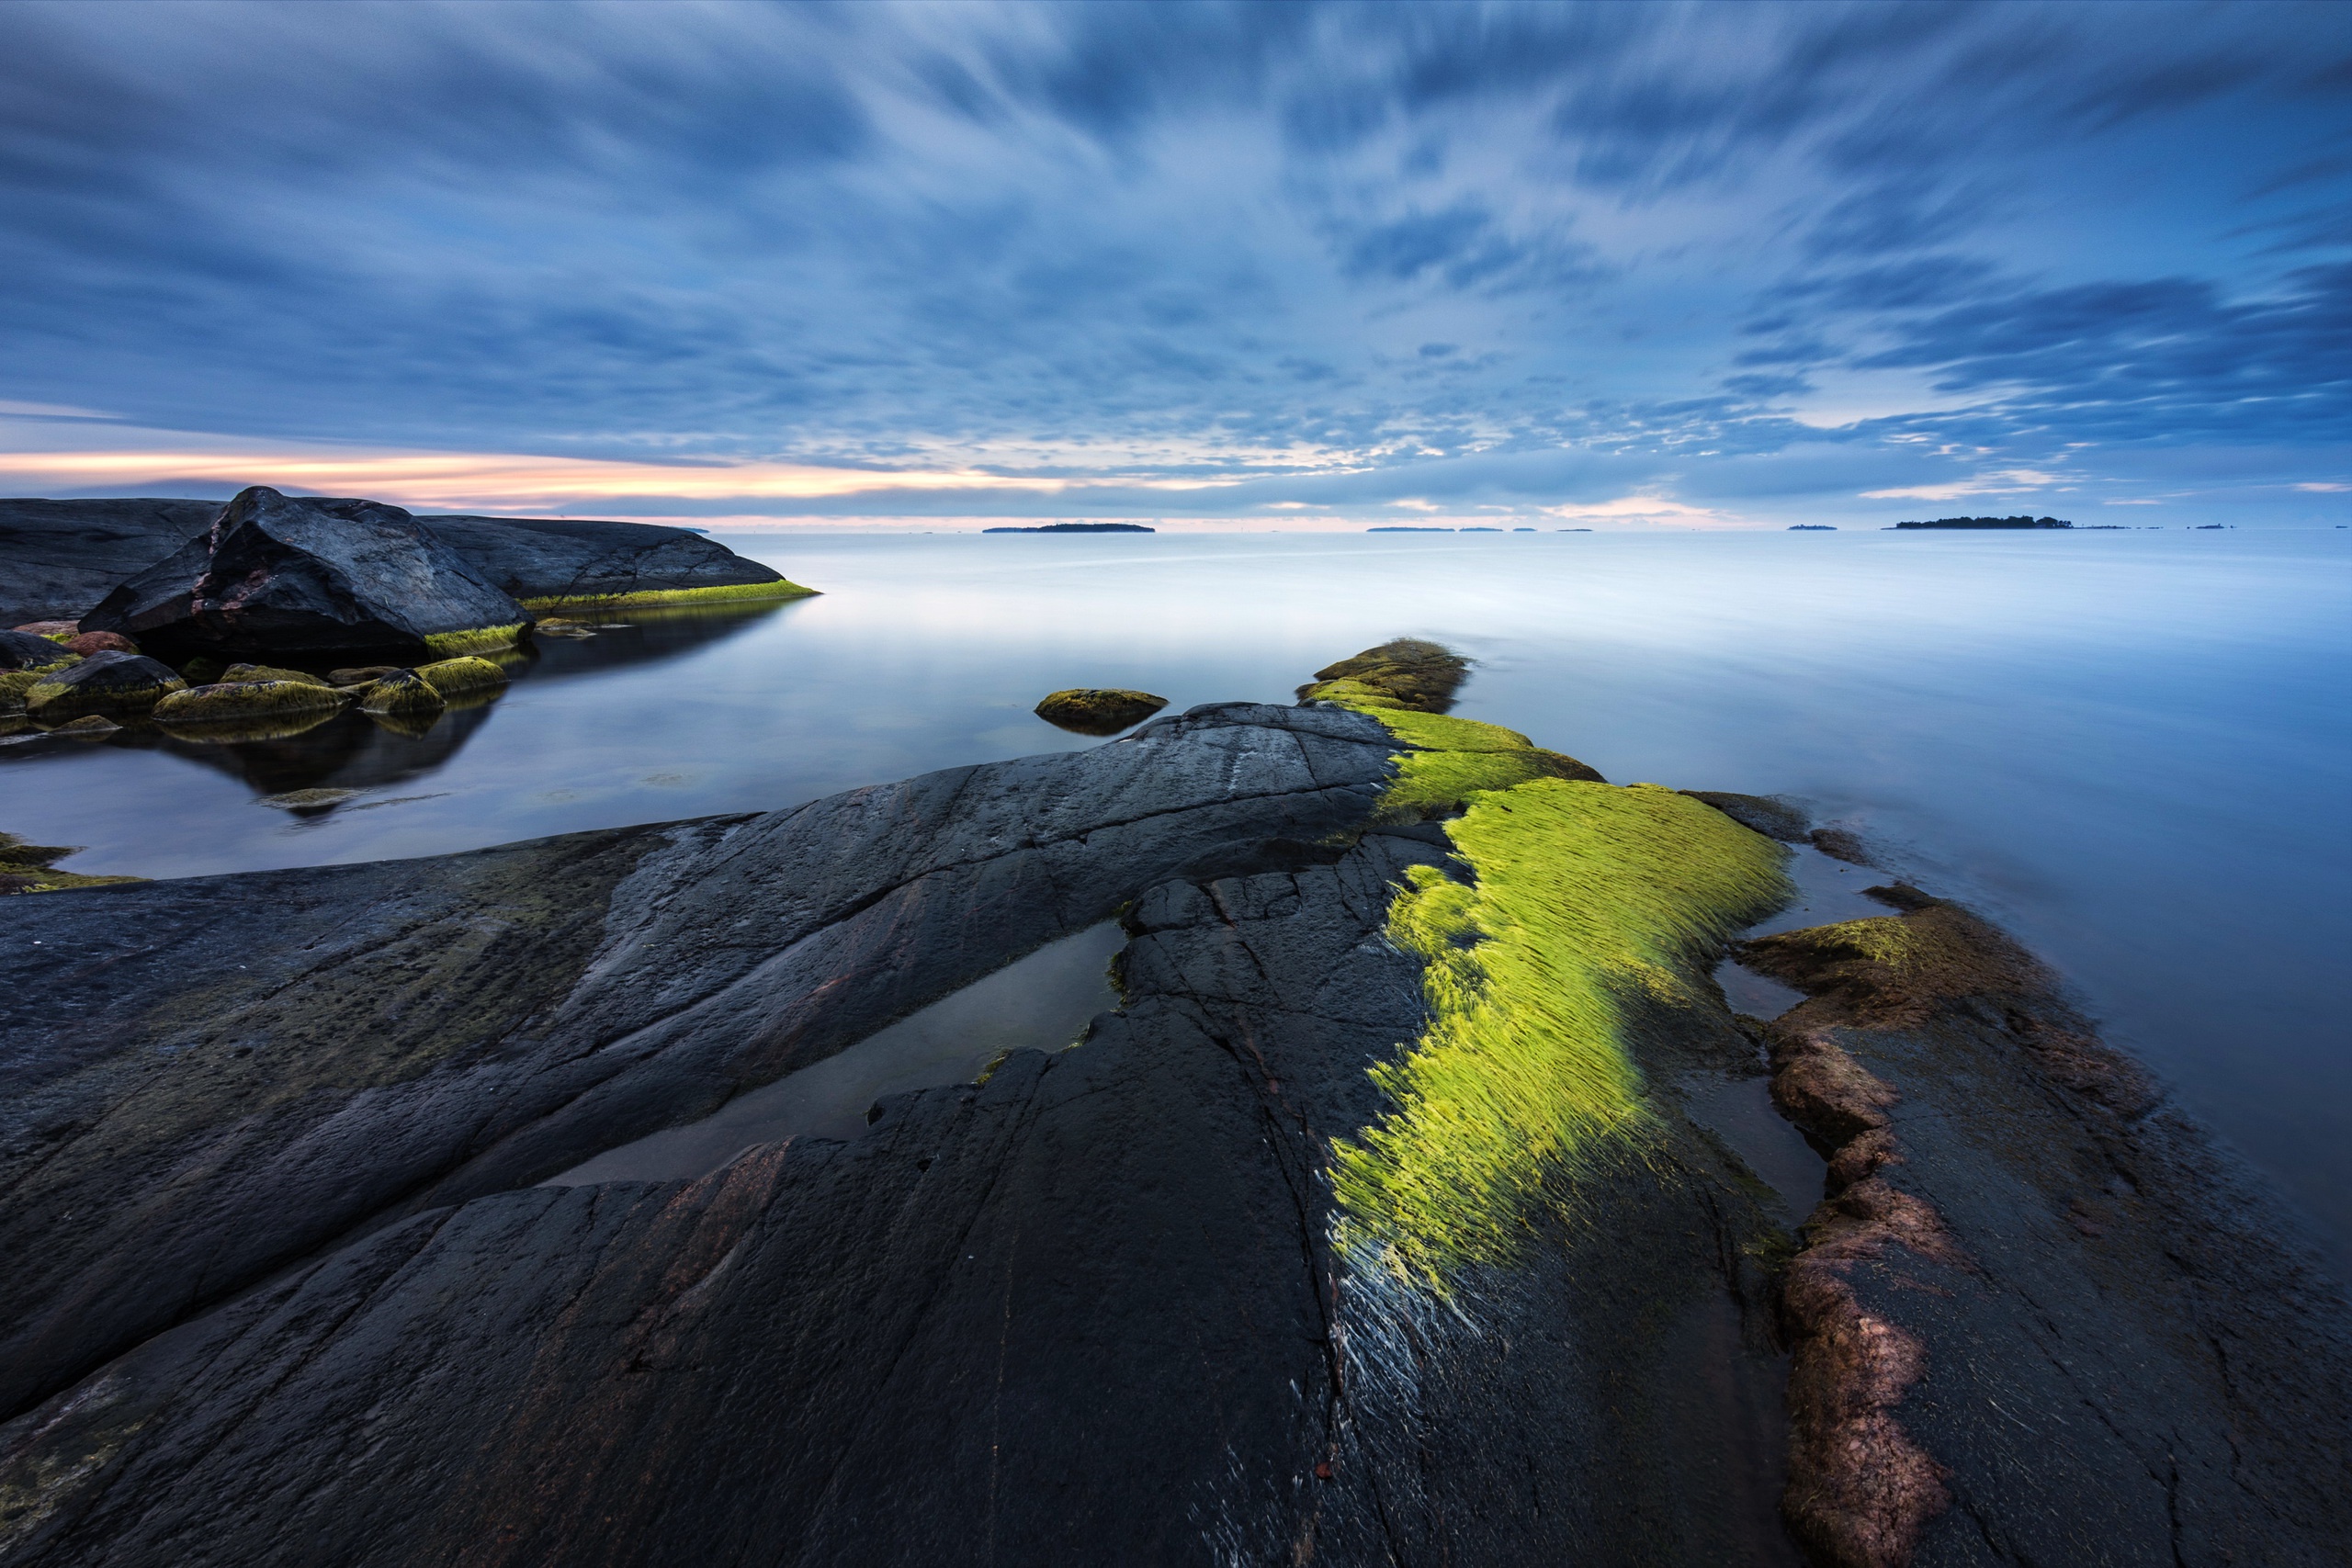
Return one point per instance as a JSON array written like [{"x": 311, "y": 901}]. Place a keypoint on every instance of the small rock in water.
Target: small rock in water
[
  {"x": 403, "y": 694},
  {"x": 236, "y": 672},
  {"x": 87, "y": 727},
  {"x": 1097, "y": 710},
  {"x": 308, "y": 799},
  {"x": 104, "y": 683},
  {"x": 362, "y": 675},
  {"x": 558, "y": 626}
]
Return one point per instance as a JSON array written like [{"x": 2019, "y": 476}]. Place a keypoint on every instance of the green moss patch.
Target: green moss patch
[
  {"x": 462, "y": 677},
  {"x": 245, "y": 700},
  {"x": 1405, "y": 673},
  {"x": 16, "y": 685},
  {"x": 238, "y": 672},
  {"x": 24, "y": 868},
  {"x": 481, "y": 640},
  {"x": 729, "y": 593},
  {"x": 1589, "y": 904}
]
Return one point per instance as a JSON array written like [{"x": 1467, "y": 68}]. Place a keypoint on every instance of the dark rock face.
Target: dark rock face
[
  {"x": 556, "y": 560},
  {"x": 1097, "y": 710},
  {"x": 24, "y": 650},
  {"x": 102, "y": 683},
  {"x": 280, "y": 575},
  {"x": 2039, "y": 1318},
  {"x": 59, "y": 558},
  {"x": 280, "y": 1295}
]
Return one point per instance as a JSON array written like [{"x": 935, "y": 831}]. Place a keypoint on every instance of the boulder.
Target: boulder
[
  {"x": 454, "y": 678},
  {"x": 238, "y": 701},
  {"x": 403, "y": 694},
  {"x": 24, "y": 650},
  {"x": 545, "y": 561},
  {"x": 280, "y": 574},
  {"x": 59, "y": 558},
  {"x": 273, "y": 672},
  {"x": 1097, "y": 710},
  {"x": 88, "y": 643},
  {"x": 102, "y": 683}
]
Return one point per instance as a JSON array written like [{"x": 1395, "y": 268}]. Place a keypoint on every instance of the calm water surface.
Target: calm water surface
[{"x": 2134, "y": 749}]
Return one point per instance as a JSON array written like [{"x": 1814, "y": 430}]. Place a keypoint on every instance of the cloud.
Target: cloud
[{"x": 1333, "y": 255}]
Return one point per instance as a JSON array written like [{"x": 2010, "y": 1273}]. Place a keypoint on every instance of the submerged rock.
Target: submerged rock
[
  {"x": 1763, "y": 814},
  {"x": 1406, "y": 673},
  {"x": 278, "y": 574},
  {"x": 102, "y": 683},
  {"x": 361, "y": 675},
  {"x": 1097, "y": 710}
]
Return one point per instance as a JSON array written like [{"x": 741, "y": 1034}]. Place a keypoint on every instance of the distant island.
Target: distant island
[
  {"x": 1404, "y": 528},
  {"x": 1075, "y": 528},
  {"x": 1821, "y": 528},
  {"x": 1989, "y": 523}
]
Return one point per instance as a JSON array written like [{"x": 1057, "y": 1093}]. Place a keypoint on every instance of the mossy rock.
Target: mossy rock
[
  {"x": 25, "y": 868},
  {"x": 27, "y": 650},
  {"x": 403, "y": 694},
  {"x": 241, "y": 702},
  {"x": 1408, "y": 673},
  {"x": 478, "y": 639},
  {"x": 102, "y": 683},
  {"x": 1097, "y": 710},
  {"x": 16, "y": 684},
  {"x": 272, "y": 672},
  {"x": 202, "y": 670},
  {"x": 462, "y": 677},
  {"x": 720, "y": 594},
  {"x": 361, "y": 674}
]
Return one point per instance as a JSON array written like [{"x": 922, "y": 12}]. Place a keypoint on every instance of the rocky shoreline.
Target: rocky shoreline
[{"x": 1373, "y": 1227}]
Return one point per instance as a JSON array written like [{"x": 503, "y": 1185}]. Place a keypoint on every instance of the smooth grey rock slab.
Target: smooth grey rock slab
[
  {"x": 59, "y": 558},
  {"x": 205, "y": 1081},
  {"x": 551, "y": 558}
]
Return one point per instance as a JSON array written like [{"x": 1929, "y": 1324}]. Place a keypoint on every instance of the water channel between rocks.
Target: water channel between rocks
[
  {"x": 1741, "y": 1112},
  {"x": 1042, "y": 1000}
]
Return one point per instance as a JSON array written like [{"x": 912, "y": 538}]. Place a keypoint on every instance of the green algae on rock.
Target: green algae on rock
[
  {"x": 1408, "y": 673},
  {"x": 103, "y": 684},
  {"x": 16, "y": 683},
  {"x": 462, "y": 677},
  {"x": 403, "y": 694},
  {"x": 235, "y": 672},
  {"x": 249, "y": 699},
  {"x": 723, "y": 594},
  {"x": 478, "y": 639},
  {"x": 1097, "y": 710}
]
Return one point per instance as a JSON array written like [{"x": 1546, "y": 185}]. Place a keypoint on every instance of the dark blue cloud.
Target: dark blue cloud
[{"x": 1323, "y": 249}]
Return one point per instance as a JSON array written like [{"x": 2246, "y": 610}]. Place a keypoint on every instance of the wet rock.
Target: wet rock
[
  {"x": 274, "y": 672},
  {"x": 1767, "y": 815},
  {"x": 59, "y": 557},
  {"x": 1097, "y": 710},
  {"x": 361, "y": 675},
  {"x": 30, "y": 868},
  {"x": 545, "y": 561},
  {"x": 558, "y": 626},
  {"x": 88, "y": 643},
  {"x": 456, "y": 678},
  {"x": 102, "y": 683},
  {"x": 23, "y": 650},
  {"x": 278, "y": 574},
  {"x": 307, "y": 800},
  {"x": 1840, "y": 843},
  {"x": 403, "y": 694},
  {"x": 239, "y": 702}
]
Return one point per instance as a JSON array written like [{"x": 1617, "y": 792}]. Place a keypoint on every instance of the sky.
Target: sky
[{"x": 1206, "y": 267}]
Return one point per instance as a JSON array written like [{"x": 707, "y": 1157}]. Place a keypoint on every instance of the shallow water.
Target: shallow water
[
  {"x": 1042, "y": 1001},
  {"x": 2133, "y": 748}
]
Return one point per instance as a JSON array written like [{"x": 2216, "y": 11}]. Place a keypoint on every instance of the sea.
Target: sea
[{"x": 2131, "y": 748}]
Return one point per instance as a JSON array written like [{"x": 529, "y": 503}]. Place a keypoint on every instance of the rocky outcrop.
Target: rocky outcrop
[
  {"x": 59, "y": 558},
  {"x": 2039, "y": 1318},
  {"x": 1369, "y": 1229},
  {"x": 546, "y": 561},
  {"x": 1097, "y": 710},
  {"x": 1408, "y": 673},
  {"x": 310, "y": 577},
  {"x": 104, "y": 683}
]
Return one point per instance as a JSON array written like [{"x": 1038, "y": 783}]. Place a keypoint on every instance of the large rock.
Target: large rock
[
  {"x": 59, "y": 558},
  {"x": 281, "y": 575},
  {"x": 546, "y": 561}
]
